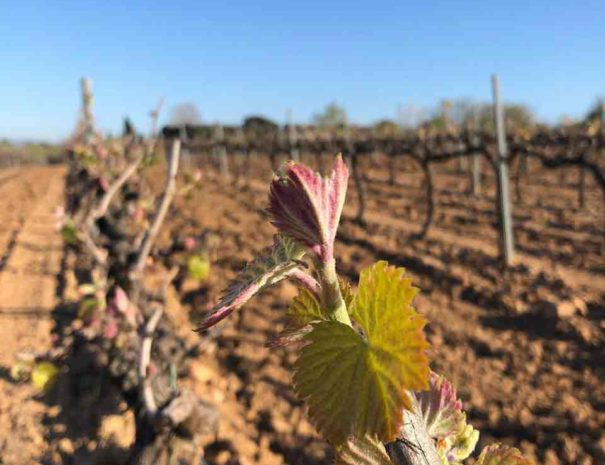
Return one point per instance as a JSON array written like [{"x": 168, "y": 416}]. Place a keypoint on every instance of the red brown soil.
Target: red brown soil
[
  {"x": 30, "y": 270},
  {"x": 528, "y": 377}
]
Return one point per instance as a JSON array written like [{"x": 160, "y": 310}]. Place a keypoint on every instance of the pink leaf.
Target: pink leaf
[
  {"x": 120, "y": 300},
  {"x": 307, "y": 207},
  {"x": 441, "y": 410},
  {"x": 111, "y": 329},
  {"x": 270, "y": 267},
  {"x": 189, "y": 243},
  {"x": 104, "y": 183}
]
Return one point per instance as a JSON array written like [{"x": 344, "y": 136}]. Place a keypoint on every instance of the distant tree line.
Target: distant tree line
[{"x": 448, "y": 115}]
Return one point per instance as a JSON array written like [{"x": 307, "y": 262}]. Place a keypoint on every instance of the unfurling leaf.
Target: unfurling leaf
[
  {"x": 270, "y": 267},
  {"x": 69, "y": 233},
  {"x": 88, "y": 306},
  {"x": 458, "y": 446},
  {"x": 198, "y": 267},
  {"x": 441, "y": 410},
  {"x": 362, "y": 451},
  {"x": 498, "y": 454},
  {"x": 347, "y": 291},
  {"x": 44, "y": 375},
  {"x": 446, "y": 422},
  {"x": 307, "y": 206},
  {"x": 304, "y": 309}
]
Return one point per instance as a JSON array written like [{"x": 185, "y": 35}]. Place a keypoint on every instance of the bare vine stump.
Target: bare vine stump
[{"x": 172, "y": 437}]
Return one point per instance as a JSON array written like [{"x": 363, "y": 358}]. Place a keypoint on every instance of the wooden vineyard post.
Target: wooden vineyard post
[
  {"x": 221, "y": 151},
  {"x": 292, "y": 138},
  {"x": 507, "y": 247},
  {"x": 88, "y": 124}
]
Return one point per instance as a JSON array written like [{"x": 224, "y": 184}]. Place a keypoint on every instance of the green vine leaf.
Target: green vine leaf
[
  {"x": 345, "y": 384},
  {"x": 304, "y": 309},
  {"x": 44, "y": 375},
  {"x": 382, "y": 308},
  {"x": 70, "y": 233},
  {"x": 347, "y": 291},
  {"x": 358, "y": 385},
  {"x": 498, "y": 454},
  {"x": 362, "y": 451},
  {"x": 198, "y": 267}
]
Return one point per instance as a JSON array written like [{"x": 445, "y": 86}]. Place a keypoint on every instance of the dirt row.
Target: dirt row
[{"x": 30, "y": 278}]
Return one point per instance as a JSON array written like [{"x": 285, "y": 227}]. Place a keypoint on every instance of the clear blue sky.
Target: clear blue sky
[{"x": 237, "y": 58}]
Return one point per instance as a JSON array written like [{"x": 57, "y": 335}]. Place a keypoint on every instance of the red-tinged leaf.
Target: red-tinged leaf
[
  {"x": 270, "y": 267},
  {"x": 111, "y": 329},
  {"x": 498, "y": 454},
  {"x": 441, "y": 410},
  {"x": 121, "y": 304},
  {"x": 121, "y": 300},
  {"x": 307, "y": 207}
]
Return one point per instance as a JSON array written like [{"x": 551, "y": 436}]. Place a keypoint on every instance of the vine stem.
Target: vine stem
[
  {"x": 169, "y": 191},
  {"x": 144, "y": 361},
  {"x": 113, "y": 190},
  {"x": 96, "y": 252},
  {"x": 330, "y": 295},
  {"x": 416, "y": 447}
]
